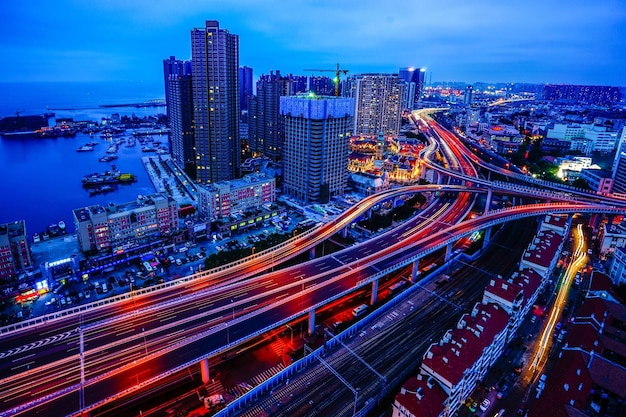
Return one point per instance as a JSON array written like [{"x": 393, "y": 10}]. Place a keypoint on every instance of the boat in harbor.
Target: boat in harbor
[
  {"x": 61, "y": 225},
  {"x": 113, "y": 176},
  {"x": 108, "y": 158},
  {"x": 102, "y": 189},
  {"x": 85, "y": 148},
  {"x": 36, "y": 238}
]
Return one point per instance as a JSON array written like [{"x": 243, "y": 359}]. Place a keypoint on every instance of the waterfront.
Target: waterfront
[{"x": 42, "y": 177}]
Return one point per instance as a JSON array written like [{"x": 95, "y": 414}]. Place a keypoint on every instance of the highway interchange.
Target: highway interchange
[{"x": 69, "y": 362}]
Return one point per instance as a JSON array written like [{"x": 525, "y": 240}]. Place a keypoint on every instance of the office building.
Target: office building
[
  {"x": 178, "y": 92},
  {"x": 322, "y": 86},
  {"x": 215, "y": 83},
  {"x": 14, "y": 250},
  {"x": 469, "y": 95},
  {"x": 619, "y": 166},
  {"x": 265, "y": 133},
  {"x": 245, "y": 87},
  {"x": 378, "y": 99},
  {"x": 414, "y": 79},
  {"x": 317, "y": 144},
  {"x": 105, "y": 229}
]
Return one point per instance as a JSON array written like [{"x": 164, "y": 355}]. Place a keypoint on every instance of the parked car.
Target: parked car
[{"x": 485, "y": 404}]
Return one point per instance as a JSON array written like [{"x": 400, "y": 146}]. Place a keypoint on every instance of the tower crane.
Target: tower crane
[{"x": 338, "y": 71}]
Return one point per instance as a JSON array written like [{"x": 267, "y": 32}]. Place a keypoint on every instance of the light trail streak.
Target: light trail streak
[{"x": 579, "y": 258}]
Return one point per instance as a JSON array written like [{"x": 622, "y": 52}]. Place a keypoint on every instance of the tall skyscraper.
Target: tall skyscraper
[
  {"x": 378, "y": 100},
  {"x": 414, "y": 79},
  {"x": 317, "y": 144},
  {"x": 469, "y": 95},
  {"x": 215, "y": 83},
  {"x": 265, "y": 133},
  {"x": 619, "y": 166},
  {"x": 178, "y": 90},
  {"x": 173, "y": 67},
  {"x": 322, "y": 86},
  {"x": 245, "y": 87}
]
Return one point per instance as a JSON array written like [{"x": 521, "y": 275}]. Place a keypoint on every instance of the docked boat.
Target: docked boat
[
  {"x": 85, "y": 148},
  {"x": 108, "y": 177},
  {"x": 148, "y": 149},
  {"x": 112, "y": 149},
  {"x": 61, "y": 225},
  {"x": 108, "y": 158},
  {"x": 36, "y": 238},
  {"x": 106, "y": 188}
]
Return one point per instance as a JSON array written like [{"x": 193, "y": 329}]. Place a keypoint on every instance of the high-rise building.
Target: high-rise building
[
  {"x": 378, "y": 99},
  {"x": 322, "y": 86},
  {"x": 265, "y": 133},
  {"x": 173, "y": 67},
  {"x": 584, "y": 94},
  {"x": 245, "y": 87},
  {"x": 469, "y": 95},
  {"x": 14, "y": 251},
  {"x": 215, "y": 83},
  {"x": 619, "y": 166},
  {"x": 178, "y": 90},
  {"x": 414, "y": 79},
  {"x": 317, "y": 144}
]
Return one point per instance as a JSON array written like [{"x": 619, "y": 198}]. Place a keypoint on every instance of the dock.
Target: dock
[{"x": 168, "y": 178}]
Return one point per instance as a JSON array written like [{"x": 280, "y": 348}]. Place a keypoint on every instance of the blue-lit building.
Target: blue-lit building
[{"x": 317, "y": 145}]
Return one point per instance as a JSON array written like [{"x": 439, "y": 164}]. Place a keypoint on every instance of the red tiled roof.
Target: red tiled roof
[
  {"x": 585, "y": 336},
  {"x": 430, "y": 405},
  {"x": 601, "y": 282},
  {"x": 528, "y": 279},
  {"x": 556, "y": 220},
  {"x": 569, "y": 382},
  {"x": 451, "y": 359},
  {"x": 543, "y": 248},
  {"x": 498, "y": 287}
]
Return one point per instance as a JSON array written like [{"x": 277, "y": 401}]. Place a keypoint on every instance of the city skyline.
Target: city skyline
[{"x": 571, "y": 42}]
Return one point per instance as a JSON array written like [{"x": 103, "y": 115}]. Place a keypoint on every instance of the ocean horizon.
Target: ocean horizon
[{"x": 42, "y": 176}]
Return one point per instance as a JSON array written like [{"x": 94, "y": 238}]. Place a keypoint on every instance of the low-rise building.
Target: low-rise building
[
  {"x": 223, "y": 199},
  {"x": 15, "y": 254},
  {"x": 465, "y": 354},
  {"x": 101, "y": 229},
  {"x": 542, "y": 253}
]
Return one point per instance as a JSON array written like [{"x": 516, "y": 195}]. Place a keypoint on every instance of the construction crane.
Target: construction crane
[{"x": 337, "y": 72}]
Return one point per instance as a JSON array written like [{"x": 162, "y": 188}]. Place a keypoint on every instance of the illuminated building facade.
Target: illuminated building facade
[
  {"x": 15, "y": 254},
  {"x": 378, "y": 99},
  {"x": 103, "y": 229},
  {"x": 317, "y": 144},
  {"x": 227, "y": 198},
  {"x": 215, "y": 83}
]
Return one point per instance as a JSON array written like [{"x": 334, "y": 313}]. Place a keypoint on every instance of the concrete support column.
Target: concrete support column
[
  {"x": 312, "y": 253},
  {"x": 488, "y": 200},
  {"x": 374, "y": 296},
  {"x": 415, "y": 271},
  {"x": 312, "y": 321},
  {"x": 344, "y": 231},
  {"x": 204, "y": 370},
  {"x": 593, "y": 222},
  {"x": 368, "y": 214},
  {"x": 448, "y": 251},
  {"x": 487, "y": 237}
]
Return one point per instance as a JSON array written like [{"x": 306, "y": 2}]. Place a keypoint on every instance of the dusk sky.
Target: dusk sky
[{"x": 552, "y": 41}]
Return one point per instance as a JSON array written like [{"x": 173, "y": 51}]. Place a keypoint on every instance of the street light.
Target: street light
[
  {"x": 290, "y": 328},
  {"x": 253, "y": 248}
]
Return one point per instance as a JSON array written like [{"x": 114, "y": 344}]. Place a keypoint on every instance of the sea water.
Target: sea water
[{"x": 41, "y": 177}]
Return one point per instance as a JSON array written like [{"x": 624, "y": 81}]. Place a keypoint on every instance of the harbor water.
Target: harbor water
[{"x": 41, "y": 177}]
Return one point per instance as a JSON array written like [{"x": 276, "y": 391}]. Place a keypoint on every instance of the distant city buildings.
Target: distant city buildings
[
  {"x": 101, "y": 228},
  {"x": 583, "y": 94},
  {"x": 15, "y": 257},
  {"x": 317, "y": 137},
  {"x": 215, "y": 83}
]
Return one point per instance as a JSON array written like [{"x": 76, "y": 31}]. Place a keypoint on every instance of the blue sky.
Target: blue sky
[{"x": 552, "y": 41}]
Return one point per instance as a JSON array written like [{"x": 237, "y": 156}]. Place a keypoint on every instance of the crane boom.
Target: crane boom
[{"x": 338, "y": 71}]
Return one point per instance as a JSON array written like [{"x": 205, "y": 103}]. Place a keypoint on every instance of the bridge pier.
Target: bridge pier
[
  {"x": 593, "y": 222},
  {"x": 488, "y": 200},
  {"x": 344, "y": 232},
  {"x": 374, "y": 296},
  {"x": 312, "y": 321},
  {"x": 312, "y": 253},
  {"x": 204, "y": 371},
  {"x": 448, "y": 252},
  {"x": 487, "y": 237},
  {"x": 415, "y": 270}
]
